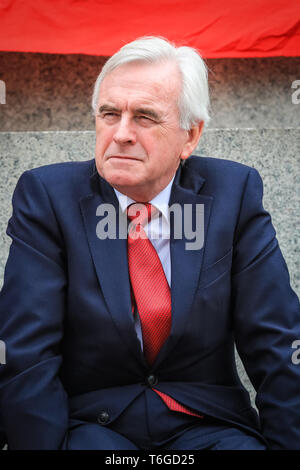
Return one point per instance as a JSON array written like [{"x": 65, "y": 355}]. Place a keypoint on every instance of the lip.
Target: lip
[{"x": 124, "y": 157}]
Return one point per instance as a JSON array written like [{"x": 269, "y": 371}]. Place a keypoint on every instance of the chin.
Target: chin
[{"x": 121, "y": 180}]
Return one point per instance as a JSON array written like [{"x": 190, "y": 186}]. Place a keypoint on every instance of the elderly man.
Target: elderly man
[{"x": 127, "y": 342}]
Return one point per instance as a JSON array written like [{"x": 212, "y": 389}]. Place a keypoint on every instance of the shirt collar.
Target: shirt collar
[{"x": 160, "y": 201}]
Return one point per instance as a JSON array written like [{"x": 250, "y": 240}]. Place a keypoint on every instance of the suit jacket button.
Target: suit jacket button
[
  {"x": 103, "y": 417},
  {"x": 152, "y": 380}
]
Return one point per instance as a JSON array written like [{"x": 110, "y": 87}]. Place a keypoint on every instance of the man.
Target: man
[{"x": 127, "y": 342}]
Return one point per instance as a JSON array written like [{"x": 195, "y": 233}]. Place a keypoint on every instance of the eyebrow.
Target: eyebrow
[
  {"x": 107, "y": 107},
  {"x": 146, "y": 111}
]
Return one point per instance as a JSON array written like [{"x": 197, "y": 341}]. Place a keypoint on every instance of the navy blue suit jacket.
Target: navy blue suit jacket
[{"x": 65, "y": 309}]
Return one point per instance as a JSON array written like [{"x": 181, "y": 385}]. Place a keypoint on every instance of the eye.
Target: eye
[
  {"x": 144, "y": 119},
  {"x": 109, "y": 116}
]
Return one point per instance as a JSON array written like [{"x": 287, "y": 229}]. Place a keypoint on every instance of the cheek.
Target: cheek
[
  {"x": 155, "y": 141},
  {"x": 166, "y": 147},
  {"x": 99, "y": 150},
  {"x": 103, "y": 140},
  {"x": 170, "y": 137}
]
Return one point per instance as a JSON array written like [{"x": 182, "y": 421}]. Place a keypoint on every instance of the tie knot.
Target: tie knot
[{"x": 141, "y": 213}]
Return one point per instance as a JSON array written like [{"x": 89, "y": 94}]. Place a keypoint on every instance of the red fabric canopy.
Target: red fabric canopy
[{"x": 232, "y": 28}]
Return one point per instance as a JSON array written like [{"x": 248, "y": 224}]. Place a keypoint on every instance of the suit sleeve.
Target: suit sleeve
[
  {"x": 267, "y": 320},
  {"x": 33, "y": 402}
]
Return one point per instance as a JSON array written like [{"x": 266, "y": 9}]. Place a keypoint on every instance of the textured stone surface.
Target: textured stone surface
[
  {"x": 274, "y": 152},
  {"x": 53, "y": 91},
  {"x": 254, "y": 92}
]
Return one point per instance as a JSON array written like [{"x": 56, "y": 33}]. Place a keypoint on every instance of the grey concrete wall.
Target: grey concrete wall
[{"x": 52, "y": 91}]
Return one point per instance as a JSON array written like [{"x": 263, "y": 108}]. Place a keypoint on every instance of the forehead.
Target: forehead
[{"x": 142, "y": 82}]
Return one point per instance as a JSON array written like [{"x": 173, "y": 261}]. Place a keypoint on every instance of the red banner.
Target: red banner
[{"x": 232, "y": 28}]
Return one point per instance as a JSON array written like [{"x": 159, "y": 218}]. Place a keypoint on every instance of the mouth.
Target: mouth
[{"x": 123, "y": 157}]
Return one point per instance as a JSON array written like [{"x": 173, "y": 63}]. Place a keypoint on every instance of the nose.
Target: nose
[{"x": 125, "y": 133}]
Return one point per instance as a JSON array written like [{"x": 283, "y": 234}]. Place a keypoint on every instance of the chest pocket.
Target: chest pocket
[
  {"x": 216, "y": 270},
  {"x": 213, "y": 303}
]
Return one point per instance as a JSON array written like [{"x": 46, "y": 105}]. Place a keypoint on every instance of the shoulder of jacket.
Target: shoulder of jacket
[
  {"x": 63, "y": 170},
  {"x": 207, "y": 164}
]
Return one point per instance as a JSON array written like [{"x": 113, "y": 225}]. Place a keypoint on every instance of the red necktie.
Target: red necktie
[{"x": 150, "y": 289}]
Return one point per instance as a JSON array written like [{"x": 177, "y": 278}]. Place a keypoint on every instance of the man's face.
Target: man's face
[{"x": 139, "y": 142}]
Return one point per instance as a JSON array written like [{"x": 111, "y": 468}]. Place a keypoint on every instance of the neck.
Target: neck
[{"x": 141, "y": 194}]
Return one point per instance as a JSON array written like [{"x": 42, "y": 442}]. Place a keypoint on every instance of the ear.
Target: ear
[{"x": 193, "y": 137}]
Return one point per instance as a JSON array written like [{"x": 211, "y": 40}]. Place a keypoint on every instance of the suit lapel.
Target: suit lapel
[{"x": 110, "y": 260}]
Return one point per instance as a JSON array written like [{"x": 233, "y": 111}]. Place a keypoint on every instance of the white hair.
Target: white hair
[{"x": 194, "y": 97}]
